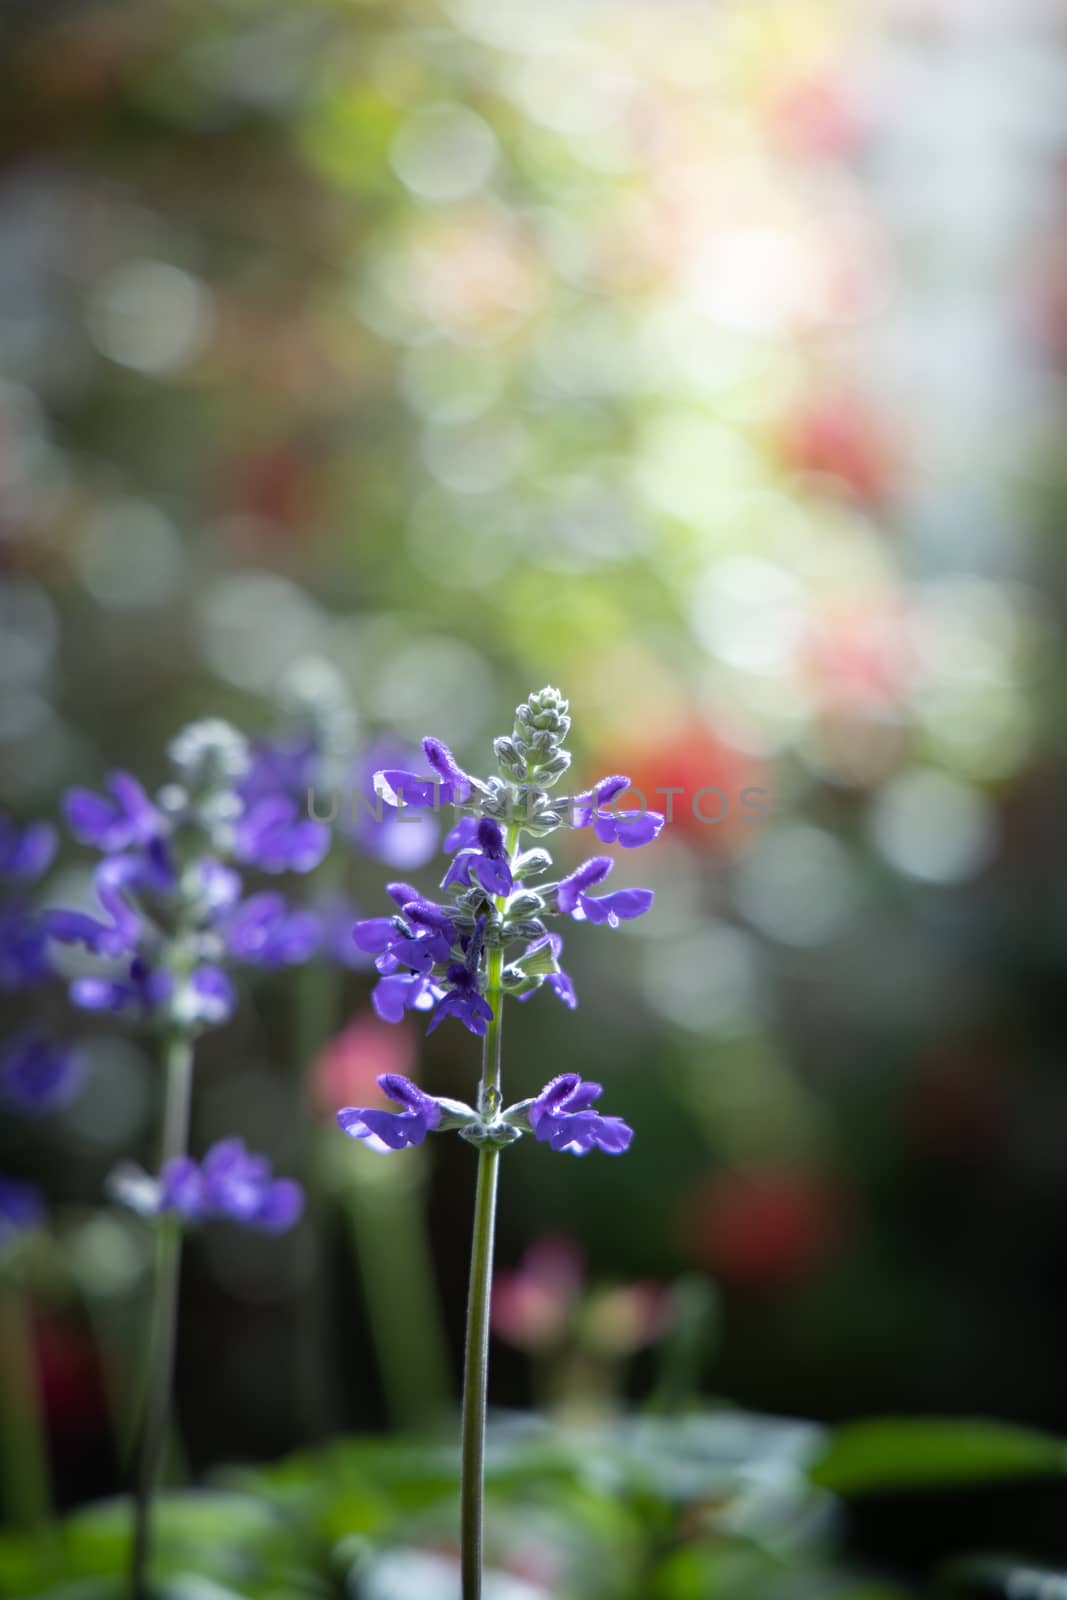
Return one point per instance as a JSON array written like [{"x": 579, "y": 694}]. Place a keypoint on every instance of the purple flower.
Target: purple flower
[
  {"x": 393, "y": 1130},
  {"x": 263, "y": 930},
  {"x": 487, "y": 863},
  {"x": 421, "y": 937},
  {"x": 273, "y": 836},
  {"x": 628, "y": 828},
  {"x": 404, "y": 991},
  {"x": 38, "y": 1074},
  {"x": 622, "y": 905},
  {"x": 228, "y": 1185},
  {"x": 20, "y": 1209},
  {"x": 463, "y": 1001},
  {"x": 25, "y": 853},
  {"x": 560, "y": 1117},
  {"x": 127, "y": 818},
  {"x": 450, "y": 785},
  {"x": 240, "y": 1187}
]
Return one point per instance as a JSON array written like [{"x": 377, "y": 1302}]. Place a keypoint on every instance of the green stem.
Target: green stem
[
  {"x": 476, "y": 1357},
  {"x": 476, "y": 1375},
  {"x": 164, "y": 1327},
  {"x": 23, "y": 1438}
]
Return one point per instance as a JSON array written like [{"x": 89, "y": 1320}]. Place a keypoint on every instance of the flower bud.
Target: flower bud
[
  {"x": 526, "y": 904},
  {"x": 511, "y": 763}
]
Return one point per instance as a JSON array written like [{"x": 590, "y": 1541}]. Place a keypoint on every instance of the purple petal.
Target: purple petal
[
  {"x": 595, "y": 870},
  {"x": 374, "y": 934},
  {"x": 408, "y": 789},
  {"x": 391, "y": 1130},
  {"x": 553, "y": 1096},
  {"x": 281, "y": 1206},
  {"x": 459, "y": 869},
  {"x": 445, "y": 765},
  {"x": 462, "y": 836},
  {"x": 406, "y": 1093},
  {"x": 394, "y": 995},
  {"x": 493, "y": 875},
  {"x": 628, "y": 828},
  {"x": 562, "y": 987},
  {"x": 402, "y": 893}
]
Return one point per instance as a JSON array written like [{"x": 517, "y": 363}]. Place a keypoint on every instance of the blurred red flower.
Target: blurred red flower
[
  {"x": 723, "y": 793},
  {"x": 766, "y": 1229},
  {"x": 840, "y": 437}
]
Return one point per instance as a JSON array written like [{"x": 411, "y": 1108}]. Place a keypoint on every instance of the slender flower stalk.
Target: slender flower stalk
[
  {"x": 479, "y": 1297},
  {"x": 163, "y": 1335},
  {"x": 463, "y": 958}
]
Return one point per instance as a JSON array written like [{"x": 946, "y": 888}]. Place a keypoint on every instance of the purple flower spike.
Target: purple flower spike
[
  {"x": 20, "y": 1209},
  {"x": 560, "y": 1117},
  {"x": 38, "y": 1075},
  {"x": 628, "y": 828},
  {"x": 25, "y": 853},
  {"x": 393, "y": 1130},
  {"x": 128, "y": 818},
  {"x": 622, "y": 905}
]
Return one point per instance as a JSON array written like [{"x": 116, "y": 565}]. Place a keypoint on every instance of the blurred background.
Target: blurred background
[{"x": 706, "y": 360}]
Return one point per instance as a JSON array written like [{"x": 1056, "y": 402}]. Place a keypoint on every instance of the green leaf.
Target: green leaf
[{"x": 919, "y": 1453}]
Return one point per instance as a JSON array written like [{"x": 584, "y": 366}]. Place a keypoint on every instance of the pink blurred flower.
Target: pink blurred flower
[
  {"x": 532, "y": 1306},
  {"x": 840, "y": 437},
  {"x": 347, "y": 1070}
]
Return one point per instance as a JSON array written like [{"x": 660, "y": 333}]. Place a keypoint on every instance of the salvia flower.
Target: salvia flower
[
  {"x": 228, "y": 1185},
  {"x": 628, "y": 828},
  {"x": 573, "y": 899},
  {"x": 561, "y": 1117},
  {"x": 172, "y": 914}
]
